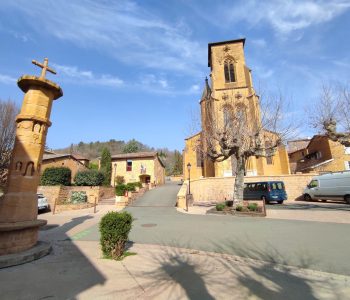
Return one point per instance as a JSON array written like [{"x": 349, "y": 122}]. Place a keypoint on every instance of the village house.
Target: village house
[
  {"x": 231, "y": 86},
  {"x": 145, "y": 167},
  {"x": 318, "y": 154},
  {"x": 74, "y": 162}
]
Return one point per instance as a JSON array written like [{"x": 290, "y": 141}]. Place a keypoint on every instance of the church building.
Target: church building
[{"x": 231, "y": 86}]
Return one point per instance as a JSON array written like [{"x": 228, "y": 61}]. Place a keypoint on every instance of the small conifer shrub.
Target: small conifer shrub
[{"x": 114, "y": 230}]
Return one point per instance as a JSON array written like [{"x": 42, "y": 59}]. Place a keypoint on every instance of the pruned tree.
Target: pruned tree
[
  {"x": 331, "y": 113},
  {"x": 8, "y": 112},
  {"x": 237, "y": 132}
]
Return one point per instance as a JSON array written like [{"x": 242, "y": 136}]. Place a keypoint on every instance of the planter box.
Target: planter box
[
  {"x": 121, "y": 201},
  {"x": 234, "y": 212}
]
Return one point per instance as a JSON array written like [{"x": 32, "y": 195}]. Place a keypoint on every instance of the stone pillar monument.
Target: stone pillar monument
[{"x": 19, "y": 206}]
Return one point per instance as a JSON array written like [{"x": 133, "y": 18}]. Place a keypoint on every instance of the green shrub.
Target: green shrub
[
  {"x": 120, "y": 189},
  {"x": 252, "y": 206},
  {"x": 131, "y": 187},
  {"x": 220, "y": 206},
  {"x": 89, "y": 178},
  {"x": 114, "y": 229},
  {"x": 139, "y": 184},
  {"x": 78, "y": 197},
  {"x": 119, "y": 179},
  {"x": 56, "y": 176},
  {"x": 239, "y": 207},
  {"x": 93, "y": 166}
]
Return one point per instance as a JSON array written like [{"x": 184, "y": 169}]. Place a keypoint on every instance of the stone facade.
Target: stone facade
[
  {"x": 61, "y": 193},
  {"x": 142, "y": 166},
  {"x": 64, "y": 160},
  {"x": 238, "y": 93},
  {"x": 320, "y": 155},
  {"x": 218, "y": 189}
]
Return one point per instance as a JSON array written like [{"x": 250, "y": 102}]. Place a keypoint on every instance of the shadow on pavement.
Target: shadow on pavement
[
  {"x": 271, "y": 277},
  {"x": 212, "y": 276},
  {"x": 63, "y": 274}
]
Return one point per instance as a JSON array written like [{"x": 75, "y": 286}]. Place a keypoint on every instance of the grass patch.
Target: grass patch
[{"x": 120, "y": 258}]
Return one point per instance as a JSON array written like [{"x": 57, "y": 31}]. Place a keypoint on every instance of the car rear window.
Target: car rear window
[{"x": 277, "y": 185}]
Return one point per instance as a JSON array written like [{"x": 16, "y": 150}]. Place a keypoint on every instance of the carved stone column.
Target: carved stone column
[{"x": 19, "y": 206}]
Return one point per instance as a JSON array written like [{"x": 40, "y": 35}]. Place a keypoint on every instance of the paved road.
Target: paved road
[
  {"x": 164, "y": 195},
  {"x": 312, "y": 245}
]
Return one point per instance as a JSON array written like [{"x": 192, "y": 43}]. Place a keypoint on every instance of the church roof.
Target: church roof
[{"x": 222, "y": 43}]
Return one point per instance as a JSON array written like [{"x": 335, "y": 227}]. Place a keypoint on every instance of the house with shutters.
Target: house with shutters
[{"x": 145, "y": 167}]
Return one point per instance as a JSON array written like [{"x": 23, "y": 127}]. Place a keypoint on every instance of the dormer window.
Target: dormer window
[{"x": 229, "y": 72}]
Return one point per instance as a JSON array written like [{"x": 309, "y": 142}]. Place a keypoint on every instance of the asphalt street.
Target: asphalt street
[{"x": 311, "y": 245}]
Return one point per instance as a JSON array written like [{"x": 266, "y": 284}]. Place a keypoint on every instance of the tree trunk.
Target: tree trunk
[
  {"x": 239, "y": 182},
  {"x": 234, "y": 165}
]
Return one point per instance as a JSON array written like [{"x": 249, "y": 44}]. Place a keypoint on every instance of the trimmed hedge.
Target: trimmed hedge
[
  {"x": 220, "y": 206},
  {"x": 131, "y": 187},
  {"x": 114, "y": 229},
  {"x": 89, "y": 178},
  {"x": 120, "y": 189},
  {"x": 56, "y": 176}
]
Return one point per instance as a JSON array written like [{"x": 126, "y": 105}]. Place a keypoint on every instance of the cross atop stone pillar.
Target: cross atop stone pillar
[
  {"x": 45, "y": 67},
  {"x": 19, "y": 206}
]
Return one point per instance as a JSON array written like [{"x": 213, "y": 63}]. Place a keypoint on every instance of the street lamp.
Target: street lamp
[
  {"x": 189, "y": 184},
  {"x": 189, "y": 177},
  {"x": 115, "y": 172}
]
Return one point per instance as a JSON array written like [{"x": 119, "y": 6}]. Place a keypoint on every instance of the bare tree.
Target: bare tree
[
  {"x": 332, "y": 113},
  {"x": 8, "y": 112},
  {"x": 240, "y": 132}
]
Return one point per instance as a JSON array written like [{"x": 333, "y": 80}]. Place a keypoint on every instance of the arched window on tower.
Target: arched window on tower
[{"x": 229, "y": 72}]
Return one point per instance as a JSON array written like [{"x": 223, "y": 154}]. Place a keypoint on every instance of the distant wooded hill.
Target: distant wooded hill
[{"x": 172, "y": 159}]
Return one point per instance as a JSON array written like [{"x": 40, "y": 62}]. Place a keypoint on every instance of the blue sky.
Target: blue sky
[{"x": 136, "y": 69}]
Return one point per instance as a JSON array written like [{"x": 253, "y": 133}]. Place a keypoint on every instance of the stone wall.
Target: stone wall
[
  {"x": 176, "y": 178},
  {"x": 74, "y": 165},
  {"x": 61, "y": 193},
  {"x": 216, "y": 189}
]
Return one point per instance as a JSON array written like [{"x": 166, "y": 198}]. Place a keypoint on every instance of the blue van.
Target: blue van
[{"x": 267, "y": 190}]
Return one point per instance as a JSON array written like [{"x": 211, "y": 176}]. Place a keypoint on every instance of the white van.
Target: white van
[{"x": 330, "y": 186}]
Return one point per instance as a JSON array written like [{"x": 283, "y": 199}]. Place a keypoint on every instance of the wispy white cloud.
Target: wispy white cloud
[
  {"x": 6, "y": 79},
  {"x": 74, "y": 74},
  {"x": 122, "y": 29},
  {"x": 284, "y": 16},
  {"x": 342, "y": 63},
  {"x": 154, "y": 83}
]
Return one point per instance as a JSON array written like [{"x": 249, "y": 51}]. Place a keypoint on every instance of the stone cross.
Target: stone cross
[{"x": 44, "y": 67}]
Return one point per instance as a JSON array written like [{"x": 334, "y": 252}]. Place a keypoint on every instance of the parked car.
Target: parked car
[
  {"x": 330, "y": 186},
  {"x": 43, "y": 204},
  {"x": 266, "y": 190}
]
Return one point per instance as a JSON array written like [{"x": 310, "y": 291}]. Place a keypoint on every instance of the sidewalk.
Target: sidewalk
[{"x": 76, "y": 270}]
